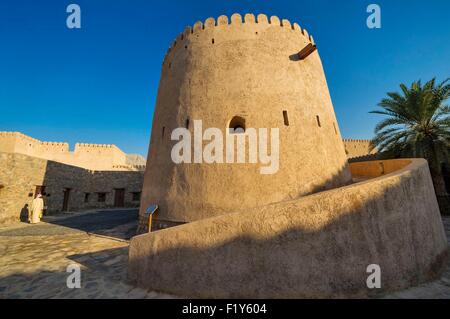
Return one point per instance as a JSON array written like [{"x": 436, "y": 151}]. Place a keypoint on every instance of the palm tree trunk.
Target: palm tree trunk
[
  {"x": 441, "y": 192},
  {"x": 438, "y": 179}
]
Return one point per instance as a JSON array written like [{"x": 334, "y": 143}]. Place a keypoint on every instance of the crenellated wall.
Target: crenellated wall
[
  {"x": 88, "y": 156},
  {"x": 236, "y": 20},
  {"x": 20, "y": 175},
  {"x": 357, "y": 148}
]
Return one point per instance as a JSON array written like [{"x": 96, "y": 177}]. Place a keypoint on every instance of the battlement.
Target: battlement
[
  {"x": 350, "y": 140},
  {"x": 235, "y": 20},
  {"x": 85, "y": 155},
  {"x": 87, "y": 145},
  {"x": 356, "y": 148}
]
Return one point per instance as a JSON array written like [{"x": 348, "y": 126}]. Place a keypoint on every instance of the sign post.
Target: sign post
[{"x": 150, "y": 211}]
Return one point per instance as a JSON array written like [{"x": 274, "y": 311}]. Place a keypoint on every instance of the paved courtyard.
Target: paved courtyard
[{"x": 34, "y": 258}]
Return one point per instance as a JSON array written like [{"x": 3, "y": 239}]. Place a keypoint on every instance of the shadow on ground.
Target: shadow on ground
[
  {"x": 119, "y": 224},
  {"x": 103, "y": 275}
]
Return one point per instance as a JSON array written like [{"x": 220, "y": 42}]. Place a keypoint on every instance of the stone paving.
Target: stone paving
[
  {"x": 34, "y": 259},
  {"x": 33, "y": 265}
]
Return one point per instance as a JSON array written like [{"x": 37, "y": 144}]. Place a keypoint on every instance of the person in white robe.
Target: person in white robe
[{"x": 37, "y": 209}]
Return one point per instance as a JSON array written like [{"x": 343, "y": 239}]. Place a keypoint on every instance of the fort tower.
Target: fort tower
[{"x": 245, "y": 69}]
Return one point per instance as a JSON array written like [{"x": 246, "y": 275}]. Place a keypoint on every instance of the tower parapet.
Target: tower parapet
[{"x": 249, "y": 24}]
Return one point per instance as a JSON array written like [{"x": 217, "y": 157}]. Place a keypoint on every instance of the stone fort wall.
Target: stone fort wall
[
  {"x": 20, "y": 175},
  {"x": 88, "y": 156},
  {"x": 355, "y": 148}
]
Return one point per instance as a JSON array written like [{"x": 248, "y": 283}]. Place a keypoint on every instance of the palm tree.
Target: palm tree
[{"x": 417, "y": 125}]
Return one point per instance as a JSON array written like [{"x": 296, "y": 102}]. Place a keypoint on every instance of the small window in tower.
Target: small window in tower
[
  {"x": 318, "y": 121},
  {"x": 86, "y": 197},
  {"x": 187, "y": 123},
  {"x": 163, "y": 130},
  {"x": 212, "y": 41},
  {"x": 237, "y": 125},
  {"x": 285, "y": 117},
  {"x": 335, "y": 129}
]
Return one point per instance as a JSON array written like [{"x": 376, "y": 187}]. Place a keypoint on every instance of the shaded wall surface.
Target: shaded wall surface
[
  {"x": 316, "y": 246},
  {"x": 20, "y": 174},
  {"x": 244, "y": 67}
]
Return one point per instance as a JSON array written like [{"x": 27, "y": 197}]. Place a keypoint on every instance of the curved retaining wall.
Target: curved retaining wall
[{"x": 316, "y": 246}]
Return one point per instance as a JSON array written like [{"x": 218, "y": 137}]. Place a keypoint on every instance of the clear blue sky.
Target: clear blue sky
[{"x": 99, "y": 84}]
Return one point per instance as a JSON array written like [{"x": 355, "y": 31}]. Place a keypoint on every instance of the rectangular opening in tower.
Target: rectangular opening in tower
[
  {"x": 285, "y": 117},
  {"x": 318, "y": 121}
]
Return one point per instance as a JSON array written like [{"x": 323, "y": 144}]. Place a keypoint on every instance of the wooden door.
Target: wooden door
[
  {"x": 119, "y": 197},
  {"x": 65, "y": 207}
]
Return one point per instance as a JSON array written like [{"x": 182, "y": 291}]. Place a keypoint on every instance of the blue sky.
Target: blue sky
[{"x": 98, "y": 84}]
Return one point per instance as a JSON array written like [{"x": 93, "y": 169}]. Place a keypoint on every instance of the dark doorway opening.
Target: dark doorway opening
[
  {"x": 119, "y": 197},
  {"x": 66, "y": 192},
  {"x": 40, "y": 189}
]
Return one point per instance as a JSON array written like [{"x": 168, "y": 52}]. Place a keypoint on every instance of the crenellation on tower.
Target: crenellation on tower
[
  {"x": 249, "y": 18},
  {"x": 248, "y": 23},
  {"x": 286, "y": 23},
  {"x": 262, "y": 18},
  {"x": 275, "y": 20}
]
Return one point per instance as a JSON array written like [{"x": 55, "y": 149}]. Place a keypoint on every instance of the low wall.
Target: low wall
[
  {"x": 377, "y": 168},
  {"x": 316, "y": 246}
]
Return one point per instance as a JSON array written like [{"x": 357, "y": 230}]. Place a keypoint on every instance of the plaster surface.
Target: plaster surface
[{"x": 317, "y": 246}]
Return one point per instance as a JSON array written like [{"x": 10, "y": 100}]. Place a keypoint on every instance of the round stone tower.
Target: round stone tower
[{"x": 249, "y": 73}]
